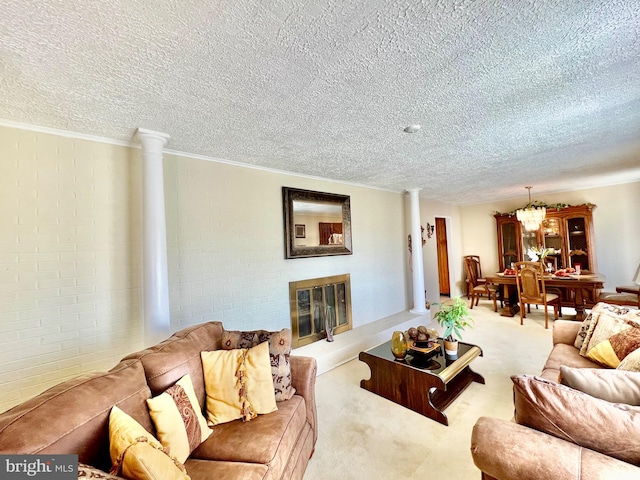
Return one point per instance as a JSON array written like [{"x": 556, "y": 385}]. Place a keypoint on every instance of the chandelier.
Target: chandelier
[{"x": 531, "y": 216}]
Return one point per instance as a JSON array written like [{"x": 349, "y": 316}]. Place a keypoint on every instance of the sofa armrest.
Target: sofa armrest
[
  {"x": 565, "y": 331},
  {"x": 303, "y": 379},
  {"x": 507, "y": 451}
]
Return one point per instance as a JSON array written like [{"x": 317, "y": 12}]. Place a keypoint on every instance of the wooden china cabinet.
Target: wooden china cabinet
[{"x": 569, "y": 230}]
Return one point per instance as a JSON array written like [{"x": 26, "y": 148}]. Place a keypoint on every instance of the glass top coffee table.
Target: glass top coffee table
[{"x": 426, "y": 385}]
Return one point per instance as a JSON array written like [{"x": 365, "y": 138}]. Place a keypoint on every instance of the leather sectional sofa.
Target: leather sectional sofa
[
  {"x": 555, "y": 446},
  {"x": 73, "y": 416}
]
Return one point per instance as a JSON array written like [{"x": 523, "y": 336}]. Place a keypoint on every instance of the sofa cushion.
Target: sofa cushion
[
  {"x": 38, "y": 427},
  {"x": 218, "y": 470},
  {"x": 279, "y": 351},
  {"x": 238, "y": 384},
  {"x": 577, "y": 417},
  {"x": 136, "y": 454},
  {"x": 268, "y": 439},
  {"x": 177, "y": 416},
  {"x": 617, "y": 386},
  {"x": 169, "y": 361},
  {"x": 568, "y": 355}
]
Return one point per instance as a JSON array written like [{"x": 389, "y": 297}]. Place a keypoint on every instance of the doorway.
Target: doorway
[{"x": 443, "y": 257}]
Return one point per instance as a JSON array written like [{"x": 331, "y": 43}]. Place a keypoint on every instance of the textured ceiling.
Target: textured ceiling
[{"x": 508, "y": 93}]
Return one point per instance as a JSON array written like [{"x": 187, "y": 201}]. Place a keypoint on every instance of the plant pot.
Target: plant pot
[{"x": 451, "y": 348}]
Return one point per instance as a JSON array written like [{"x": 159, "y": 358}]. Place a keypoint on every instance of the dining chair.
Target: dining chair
[
  {"x": 620, "y": 298},
  {"x": 532, "y": 291},
  {"x": 625, "y": 295},
  {"x": 475, "y": 264},
  {"x": 478, "y": 286}
]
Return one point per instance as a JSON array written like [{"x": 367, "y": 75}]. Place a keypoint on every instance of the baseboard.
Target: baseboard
[{"x": 348, "y": 345}]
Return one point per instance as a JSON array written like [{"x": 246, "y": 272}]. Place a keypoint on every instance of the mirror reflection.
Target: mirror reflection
[
  {"x": 316, "y": 223},
  {"x": 321, "y": 223}
]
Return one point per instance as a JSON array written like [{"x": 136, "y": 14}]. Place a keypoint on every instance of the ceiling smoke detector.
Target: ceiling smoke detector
[{"x": 411, "y": 128}]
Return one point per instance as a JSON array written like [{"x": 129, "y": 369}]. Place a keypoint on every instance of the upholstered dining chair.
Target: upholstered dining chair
[
  {"x": 476, "y": 285},
  {"x": 532, "y": 291},
  {"x": 626, "y": 295}
]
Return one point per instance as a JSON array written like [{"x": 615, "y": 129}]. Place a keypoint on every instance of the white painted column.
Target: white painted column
[
  {"x": 156, "y": 277},
  {"x": 416, "y": 255}
]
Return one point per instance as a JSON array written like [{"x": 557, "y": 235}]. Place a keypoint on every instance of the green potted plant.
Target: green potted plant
[{"x": 454, "y": 317}]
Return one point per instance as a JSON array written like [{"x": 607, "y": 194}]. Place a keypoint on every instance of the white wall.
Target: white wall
[
  {"x": 226, "y": 247},
  {"x": 71, "y": 248},
  {"x": 616, "y": 226},
  {"x": 429, "y": 210}
]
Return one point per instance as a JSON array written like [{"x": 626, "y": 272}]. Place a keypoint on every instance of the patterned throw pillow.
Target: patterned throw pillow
[
  {"x": 87, "y": 472},
  {"x": 178, "y": 419},
  {"x": 631, "y": 362},
  {"x": 613, "y": 315},
  {"x": 279, "y": 352},
  {"x": 613, "y": 338},
  {"x": 582, "y": 333},
  {"x": 238, "y": 384},
  {"x": 136, "y": 454}
]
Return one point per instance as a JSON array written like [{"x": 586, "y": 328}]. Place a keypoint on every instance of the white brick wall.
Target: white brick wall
[
  {"x": 69, "y": 303},
  {"x": 70, "y": 254}
]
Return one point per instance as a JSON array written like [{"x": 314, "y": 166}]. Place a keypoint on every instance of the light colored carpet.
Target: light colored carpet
[{"x": 364, "y": 436}]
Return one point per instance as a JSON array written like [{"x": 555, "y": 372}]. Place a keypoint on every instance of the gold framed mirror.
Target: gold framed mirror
[{"x": 316, "y": 224}]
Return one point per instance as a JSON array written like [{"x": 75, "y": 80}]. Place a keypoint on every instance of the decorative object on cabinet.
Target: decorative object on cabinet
[
  {"x": 532, "y": 215},
  {"x": 568, "y": 230}
]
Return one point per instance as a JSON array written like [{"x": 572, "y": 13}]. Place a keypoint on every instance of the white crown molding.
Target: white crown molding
[
  {"x": 65, "y": 133},
  {"x": 135, "y": 144}
]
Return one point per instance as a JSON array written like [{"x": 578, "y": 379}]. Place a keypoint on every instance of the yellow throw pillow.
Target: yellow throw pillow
[
  {"x": 178, "y": 419},
  {"x": 136, "y": 454},
  {"x": 238, "y": 384}
]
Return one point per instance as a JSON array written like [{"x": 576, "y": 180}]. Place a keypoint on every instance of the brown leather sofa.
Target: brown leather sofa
[
  {"x": 505, "y": 450},
  {"x": 72, "y": 417}
]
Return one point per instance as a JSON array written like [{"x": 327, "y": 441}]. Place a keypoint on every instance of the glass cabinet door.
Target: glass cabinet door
[
  {"x": 552, "y": 232},
  {"x": 578, "y": 247},
  {"x": 509, "y": 244}
]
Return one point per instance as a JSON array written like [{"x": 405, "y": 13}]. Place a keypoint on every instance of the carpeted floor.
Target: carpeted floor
[{"x": 363, "y": 436}]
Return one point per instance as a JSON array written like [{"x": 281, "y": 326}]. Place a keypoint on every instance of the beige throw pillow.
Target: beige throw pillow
[
  {"x": 616, "y": 386},
  {"x": 238, "y": 384},
  {"x": 136, "y": 454},
  {"x": 577, "y": 417},
  {"x": 279, "y": 353},
  {"x": 178, "y": 419}
]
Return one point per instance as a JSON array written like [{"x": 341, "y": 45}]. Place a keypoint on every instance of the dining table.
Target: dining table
[{"x": 578, "y": 291}]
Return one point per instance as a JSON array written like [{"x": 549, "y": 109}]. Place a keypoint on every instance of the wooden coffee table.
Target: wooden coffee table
[{"x": 426, "y": 386}]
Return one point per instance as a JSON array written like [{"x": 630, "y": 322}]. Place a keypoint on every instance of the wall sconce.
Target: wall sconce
[
  {"x": 422, "y": 235},
  {"x": 430, "y": 229}
]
